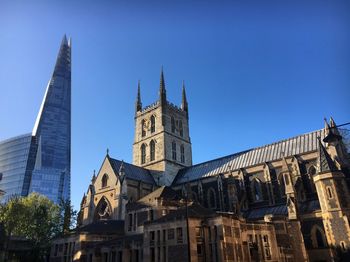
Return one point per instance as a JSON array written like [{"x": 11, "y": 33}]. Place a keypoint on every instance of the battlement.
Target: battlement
[
  {"x": 173, "y": 106},
  {"x": 150, "y": 107}
]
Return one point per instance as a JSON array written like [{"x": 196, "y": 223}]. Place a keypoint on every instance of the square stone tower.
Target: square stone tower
[{"x": 162, "y": 141}]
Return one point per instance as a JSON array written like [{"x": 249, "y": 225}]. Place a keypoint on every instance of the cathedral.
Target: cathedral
[{"x": 285, "y": 201}]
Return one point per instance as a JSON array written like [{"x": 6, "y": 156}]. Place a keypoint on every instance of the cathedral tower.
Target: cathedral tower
[{"x": 162, "y": 140}]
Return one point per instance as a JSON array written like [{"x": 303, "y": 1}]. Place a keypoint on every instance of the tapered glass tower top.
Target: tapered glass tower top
[
  {"x": 52, "y": 130},
  {"x": 40, "y": 162}
]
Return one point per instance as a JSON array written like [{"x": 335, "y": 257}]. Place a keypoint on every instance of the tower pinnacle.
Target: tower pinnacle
[
  {"x": 138, "y": 104},
  {"x": 184, "y": 104},
  {"x": 162, "y": 91}
]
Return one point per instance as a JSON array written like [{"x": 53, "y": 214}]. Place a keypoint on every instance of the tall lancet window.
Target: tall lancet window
[
  {"x": 181, "y": 130},
  {"x": 143, "y": 154},
  {"x": 182, "y": 151},
  {"x": 173, "y": 146},
  {"x": 152, "y": 148},
  {"x": 257, "y": 190},
  {"x": 172, "y": 124},
  {"x": 143, "y": 127},
  {"x": 153, "y": 124}
]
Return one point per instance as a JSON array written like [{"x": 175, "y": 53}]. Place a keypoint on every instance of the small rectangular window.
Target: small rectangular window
[
  {"x": 171, "y": 234},
  {"x": 179, "y": 235}
]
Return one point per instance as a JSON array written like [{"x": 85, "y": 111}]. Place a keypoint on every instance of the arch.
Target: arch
[
  {"x": 182, "y": 152},
  {"x": 152, "y": 150},
  {"x": 153, "y": 124},
  {"x": 200, "y": 191},
  {"x": 143, "y": 127},
  {"x": 172, "y": 124},
  {"x": 181, "y": 130},
  {"x": 310, "y": 180},
  {"x": 173, "y": 150},
  {"x": 103, "y": 210},
  {"x": 143, "y": 153},
  {"x": 318, "y": 237},
  {"x": 257, "y": 190},
  {"x": 211, "y": 198},
  {"x": 282, "y": 187},
  {"x": 104, "y": 180}
]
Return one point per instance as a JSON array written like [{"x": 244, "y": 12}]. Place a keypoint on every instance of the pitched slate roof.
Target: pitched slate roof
[
  {"x": 133, "y": 172},
  {"x": 194, "y": 211},
  {"x": 292, "y": 146},
  {"x": 163, "y": 192},
  {"x": 259, "y": 213}
]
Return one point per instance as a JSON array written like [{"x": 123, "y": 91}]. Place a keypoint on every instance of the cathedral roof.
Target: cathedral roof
[
  {"x": 132, "y": 172},
  {"x": 259, "y": 213},
  {"x": 289, "y": 147},
  {"x": 194, "y": 211},
  {"x": 163, "y": 192}
]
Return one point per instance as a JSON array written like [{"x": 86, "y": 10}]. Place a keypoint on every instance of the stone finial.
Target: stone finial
[{"x": 93, "y": 177}]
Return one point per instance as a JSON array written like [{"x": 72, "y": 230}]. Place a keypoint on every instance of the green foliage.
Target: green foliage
[
  {"x": 68, "y": 216},
  {"x": 35, "y": 218}
]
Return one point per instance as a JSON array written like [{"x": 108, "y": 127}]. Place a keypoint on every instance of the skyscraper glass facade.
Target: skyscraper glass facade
[
  {"x": 16, "y": 164},
  {"x": 40, "y": 162}
]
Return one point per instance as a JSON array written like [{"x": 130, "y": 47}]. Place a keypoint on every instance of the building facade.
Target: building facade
[
  {"x": 285, "y": 201},
  {"x": 40, "y": 162}
]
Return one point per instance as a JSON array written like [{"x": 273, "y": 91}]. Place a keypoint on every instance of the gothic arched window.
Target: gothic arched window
[
  {"x": 310, "y": 179},
  {"x": 211, "y": 198},
  {"x": 257, "y": 190},
  {"x": 173, "y": 147},
  {"x": 172, "y": 124},
  {"x": 153, "y": 124},
  {"x": 104, "y": 180},
  {"x": 318, "y": 237},
  {"x": 143, "y": 127},
  {"x": 143, "y": 154},
  {"x": 182, "y": 151},
  {"x": 103, "y": 210},
  {"x": 152, "y": 147},
  {"x": 181, "y": 128}
]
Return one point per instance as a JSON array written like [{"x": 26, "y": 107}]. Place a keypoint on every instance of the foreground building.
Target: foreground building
[
  {"x": 286, "y": 201},
  {"x": 40, "y": 161}
]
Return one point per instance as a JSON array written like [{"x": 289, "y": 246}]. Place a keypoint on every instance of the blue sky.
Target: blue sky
[{"x": 255, "y": 71}]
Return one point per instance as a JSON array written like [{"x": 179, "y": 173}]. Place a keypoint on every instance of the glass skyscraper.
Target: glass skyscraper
[{"x": 40, "y": 162}]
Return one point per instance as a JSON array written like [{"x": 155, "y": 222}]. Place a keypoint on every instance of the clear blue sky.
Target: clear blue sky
[{"x": 255, "y": 71}]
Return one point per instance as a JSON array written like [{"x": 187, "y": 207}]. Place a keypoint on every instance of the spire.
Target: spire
[
  {"x": 333, "y": 126},
  {"x": 162, "y": 91},
  {"x": 93, "y": 177},
  {"x": 138, "y": 104},
  {"x": 326, "y": 126},
  {"x": 184, "y": 104},
  {"x": 331, "y": 122},
  {"x": 326, "y": 162},
  {"x": 332, "y": 133}
]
